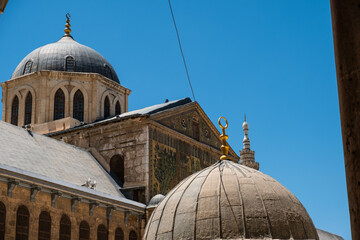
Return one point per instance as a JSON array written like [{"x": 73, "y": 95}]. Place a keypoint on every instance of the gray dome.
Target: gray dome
[
  {"x": 155, "y": 200},
  {"x": 53, "y": 57},
  {"x": 230, "y": 201}
]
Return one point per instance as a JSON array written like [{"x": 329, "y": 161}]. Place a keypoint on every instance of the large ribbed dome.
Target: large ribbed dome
[
  {"x": 230, "y": 201},
  {"x": 66, "y": 55}
]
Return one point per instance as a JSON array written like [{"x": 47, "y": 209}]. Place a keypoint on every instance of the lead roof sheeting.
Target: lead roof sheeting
[{"x": 53, "y": 159}]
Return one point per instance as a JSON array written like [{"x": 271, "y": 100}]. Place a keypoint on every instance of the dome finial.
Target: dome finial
[
  {"x": 223, "y": 137},
  {"x": 67, "y": 29}
]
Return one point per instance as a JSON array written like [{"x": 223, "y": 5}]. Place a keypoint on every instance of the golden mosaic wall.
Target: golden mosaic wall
[{"x": 172, "y": 160}]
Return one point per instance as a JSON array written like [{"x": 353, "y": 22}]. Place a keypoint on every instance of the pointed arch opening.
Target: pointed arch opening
[
  {"x": 117, "y": 108},
  {"x": 102, "y": 232},
  {"x": 119, "y": 234},
  {"x": 84, "y": 231},
  {"x": 2, "y": 220},
  {"x": 117, "y": 169},
  {"x": 78, "y": 106},
  {"x": 15, "y": 111},
  {"x": 59, "y": 104},
  {"x": 106, "y": 107},
  {"x": 28, "y": 109},
  {"x": 22, "y": 223},
  {"x": 133, "y": 235},
  {"x": 65, "y": 228},
  {"x": 44, "y": 226}
]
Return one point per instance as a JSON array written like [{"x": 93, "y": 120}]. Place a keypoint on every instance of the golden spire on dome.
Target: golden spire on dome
[
  {"x": 67, "y": 29},
  {"x": 223, "y": 137}
]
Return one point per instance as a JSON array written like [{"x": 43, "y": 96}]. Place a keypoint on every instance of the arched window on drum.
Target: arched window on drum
[
  {"x": 15, "y": 111},
  {"x": 27, "y": 68},
  {"x": 28, "y": 109},
  {"x": 106, "y": 107},
  {"x": 59, "y": 104},
  {"x": 69, "y": 64},
  {"x": 78, "y": 106},
  {"x": 117, "y": 108}
]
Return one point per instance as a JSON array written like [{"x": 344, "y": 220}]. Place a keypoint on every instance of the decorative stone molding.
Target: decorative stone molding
[
  {"x": 74, "y": 202},
  {"x": 109, "y": 211},
  {"x": 33, "y": 192},
  {"x": 11, "y": 186},
  {"x": 92, "y": 207},
  {"x": 54, "y": 196}
]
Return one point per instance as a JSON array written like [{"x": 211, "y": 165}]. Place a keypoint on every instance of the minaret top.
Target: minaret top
[
  {"x": 247, "y": 156},
  {"x": 246, "y": 140},
  {"x": 67, "y": 29}
]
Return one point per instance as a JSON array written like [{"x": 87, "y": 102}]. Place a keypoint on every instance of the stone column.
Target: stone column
[{"x": 346, "y": 29}]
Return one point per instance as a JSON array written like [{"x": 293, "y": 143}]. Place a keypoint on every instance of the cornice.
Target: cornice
[
  {"x": 66, "y": 75},
  {"x": 87, "y": 195}
]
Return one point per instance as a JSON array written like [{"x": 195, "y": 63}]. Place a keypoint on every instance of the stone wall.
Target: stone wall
[
  {"x": 172, "y": 159},
  {"x": 21, "y": 196},
  {"x": 128, "y": 139}
]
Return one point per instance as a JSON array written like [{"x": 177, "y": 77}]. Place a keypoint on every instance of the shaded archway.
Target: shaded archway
[
  {"x": 119, "y": 234},
  {"x": 133, "y": 235},
  {"x": 102, "y": 232},
  {"x": 117, "y": 169},
  {"x": 2, "y": 220},
  {"x": 65, "y": 228},
  {"x": 84, "y": 231},
  {"x": 22, "y": 223}
]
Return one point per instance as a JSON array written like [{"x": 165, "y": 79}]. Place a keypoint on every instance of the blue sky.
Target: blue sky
[{"x": 272, "y": 60}]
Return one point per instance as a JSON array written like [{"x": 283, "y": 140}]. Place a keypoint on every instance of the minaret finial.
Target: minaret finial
[
  {"x": 247, "y": 156},
  {"x": 67, "y": 29},
  {"x": 223, "y": 137},
  {"x": 246, "y": 140}
]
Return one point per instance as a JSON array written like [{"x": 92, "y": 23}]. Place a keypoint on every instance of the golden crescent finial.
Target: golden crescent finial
[
  {"x": 222, "y": 127},
  {"x": 67, "y": 29},
  {"x": 223, "y": 137}
]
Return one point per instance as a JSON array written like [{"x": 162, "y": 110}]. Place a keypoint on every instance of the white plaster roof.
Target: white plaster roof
[
  {"x": 157, "y": 108},
  {"x": 42, "y": 157},
  {"x": 324, "y": 235},
  {"x": 132, "y": 114}
]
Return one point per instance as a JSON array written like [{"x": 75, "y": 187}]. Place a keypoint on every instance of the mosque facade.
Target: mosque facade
[{"x": 75, "y": 163}]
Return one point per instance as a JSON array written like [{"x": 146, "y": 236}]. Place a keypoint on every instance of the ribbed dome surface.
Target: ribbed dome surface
[
  {"x": 230, "y": 201},
  {"x": 53, "y": 57},
  {"x": 155, "y": 200}
]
